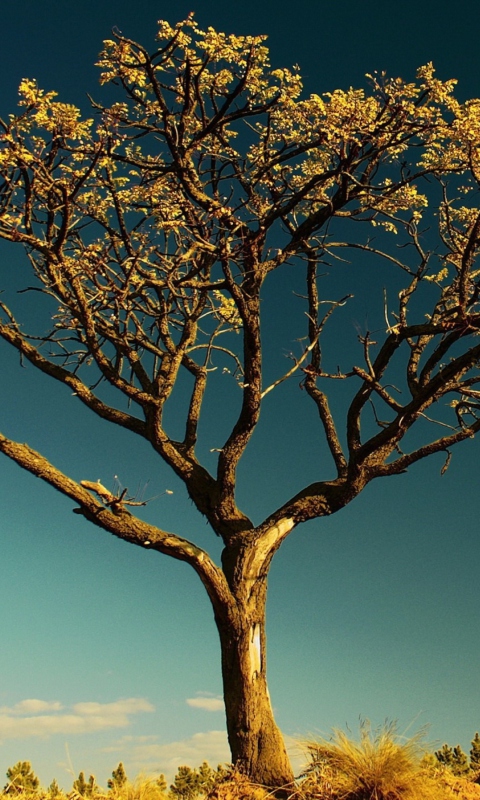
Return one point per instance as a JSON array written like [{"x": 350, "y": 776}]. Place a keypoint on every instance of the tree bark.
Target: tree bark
[{"x": 256, "y": 743}]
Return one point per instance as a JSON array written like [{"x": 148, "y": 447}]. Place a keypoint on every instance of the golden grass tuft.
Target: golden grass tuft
[
  {"x": 141, "y": 788},
  {"x": 381, "y": 765}
]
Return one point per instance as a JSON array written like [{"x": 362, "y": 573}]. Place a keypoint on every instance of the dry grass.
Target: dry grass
[
  {"x": 381, "y": 765},
  {"x": 238, "y": 787},
  {"x": 140, "y": 789},
  {"x": 458, "y": 788}
]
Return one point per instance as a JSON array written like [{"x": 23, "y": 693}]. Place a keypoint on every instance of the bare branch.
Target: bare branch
[{"x": 122, "y": 523}]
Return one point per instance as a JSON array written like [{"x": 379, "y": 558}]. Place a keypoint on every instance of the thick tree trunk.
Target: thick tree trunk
[{"x": 257, "y": 746}]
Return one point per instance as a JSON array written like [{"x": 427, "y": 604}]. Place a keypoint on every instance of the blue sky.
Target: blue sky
[{"x": 109, "y": 652}]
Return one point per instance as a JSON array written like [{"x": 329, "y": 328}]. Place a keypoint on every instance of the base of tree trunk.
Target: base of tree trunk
[{"x": 256, "y": 743}]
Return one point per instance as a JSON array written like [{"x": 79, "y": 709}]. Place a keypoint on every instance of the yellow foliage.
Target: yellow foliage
[
  {"x": 166, "y": 195},
  {"x": 227, "y": 309}
]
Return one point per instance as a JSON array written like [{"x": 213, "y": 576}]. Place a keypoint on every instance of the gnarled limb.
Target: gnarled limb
[{"x": 126, "y": 526}]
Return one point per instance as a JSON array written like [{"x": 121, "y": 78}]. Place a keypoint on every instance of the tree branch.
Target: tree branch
[
  {"x": 13, "y": 337},
  {"x": 123, "y": 524}
]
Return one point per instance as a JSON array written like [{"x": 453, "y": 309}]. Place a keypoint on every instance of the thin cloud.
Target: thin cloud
[
  {"x": 122, "y": 708},
  {"x": 25, "y": 719},
  {"x": 32, "y": 706},
  {"x": 211, "y": 746},
  {"x": 145, "y": 755},
  {"x": 121, "y": 745},
  {"x": 206, "y": 702}
]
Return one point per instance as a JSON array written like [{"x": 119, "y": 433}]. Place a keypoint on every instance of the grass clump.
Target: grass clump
[
  {"x": 141, "y": 788},
  {"x": 381, "y": 765}
]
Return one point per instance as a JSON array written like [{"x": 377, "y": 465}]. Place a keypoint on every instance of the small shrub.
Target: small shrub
[
  {"x": 21, "y": 779},
  {"x": 118, "y": 779},
  {"x": 86, "y": 789}
]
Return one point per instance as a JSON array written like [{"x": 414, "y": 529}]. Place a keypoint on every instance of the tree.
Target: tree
[
  {"x": 475, "y": 753},
  {"x": 445, "y": 756},
  {"x": 118, "y": 779},
  {"x": 85, "y": 788},
  {"x": 191, "y": 783},
  {"x": 54, "y": 790},
  {"x": 207, "y": 777},
  {"x": 21, "y": 778},
  {"x": 460, "y": 765},
  {"x": 161, "y": 783},
  {"x": 155, "y": 231},
  {"x": 454, "y": 759},
  {"x": 185, "y": 784}
]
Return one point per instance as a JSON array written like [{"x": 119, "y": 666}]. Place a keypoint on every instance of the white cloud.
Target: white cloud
[
  {"x": 32, "y": 706},
  {"x": 121, "y": 745},
  {"x": 206, "y": 702},
  {"x": 152, "y": 758},
  {"x": 120, "y": 708},
  {"x": 25, "y": 718}
]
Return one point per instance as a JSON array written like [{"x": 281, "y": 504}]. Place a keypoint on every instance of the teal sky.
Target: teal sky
[{"x": 109, "y": 652}]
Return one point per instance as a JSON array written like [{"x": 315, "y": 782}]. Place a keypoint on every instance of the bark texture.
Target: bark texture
[{"x": 256, "y": 744}]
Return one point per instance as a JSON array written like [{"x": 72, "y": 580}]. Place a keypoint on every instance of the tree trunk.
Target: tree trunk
[{"x": 255, "y": 741}]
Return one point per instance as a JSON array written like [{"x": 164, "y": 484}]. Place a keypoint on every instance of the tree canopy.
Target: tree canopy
[{"x": 21, "y": 779}]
